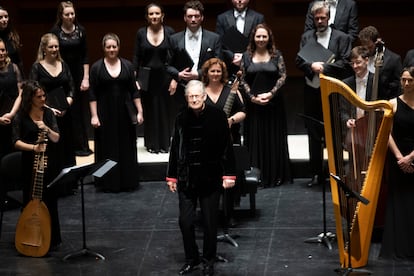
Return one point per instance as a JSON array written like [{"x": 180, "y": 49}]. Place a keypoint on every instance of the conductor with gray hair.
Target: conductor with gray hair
[{"x": 201, "y": 164}]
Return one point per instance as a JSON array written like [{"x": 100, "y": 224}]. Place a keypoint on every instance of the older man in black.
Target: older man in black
[
  {"x": 201, "y": 164},
  {"x": 336, "y": 43}
]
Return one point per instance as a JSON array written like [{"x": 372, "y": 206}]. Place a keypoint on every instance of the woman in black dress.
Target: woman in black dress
[
  {"x": 113, "y": 93},
  {"x": 214, "y": 76},
  {"x": 31, "y": 118},
  {"x": 74, "y": 51},
  {"x": 10, "y": 98},
  {"x": 264, "y": 73},
  {"x": 398, "y": 239},
  {"x": 150, "y": 54},
  {"x": 11, "y": 38},
  {"x": 54, "y": 76}
]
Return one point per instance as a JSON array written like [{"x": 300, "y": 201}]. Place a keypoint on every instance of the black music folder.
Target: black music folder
[
  {"x": 6, "y": 103},
  {"x": 314, "y": 51},
  {"x": 234, "y": 40},
  {"x": 56, "y": 98},
  {"x": 263, "y": 82},
  {"x": 182, "y": 60},
  {"x": 143, "y": 77}
]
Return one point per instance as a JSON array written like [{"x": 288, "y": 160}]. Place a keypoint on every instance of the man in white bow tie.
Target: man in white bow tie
[
  {"x": 344, "y": 17},
  {"x": 244, "y": 19},
  {"x": 194, "y": 44}
]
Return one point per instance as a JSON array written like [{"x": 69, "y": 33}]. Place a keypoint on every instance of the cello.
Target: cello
[{"x": 33, "y": 230}]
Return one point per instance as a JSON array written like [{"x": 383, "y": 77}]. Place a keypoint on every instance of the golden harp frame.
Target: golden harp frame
[{"x": 363, "y": 218}]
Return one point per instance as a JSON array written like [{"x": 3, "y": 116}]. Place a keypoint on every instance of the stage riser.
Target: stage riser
[{"x": 156, "y": 171}]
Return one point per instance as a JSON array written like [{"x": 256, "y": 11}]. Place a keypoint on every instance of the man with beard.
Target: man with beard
[{"x": 323, "y": 38}]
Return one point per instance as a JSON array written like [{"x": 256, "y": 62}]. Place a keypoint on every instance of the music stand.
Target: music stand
[
  {"x": 78, "y": 173},
  {"x": 226, "y": 237},
  {"x": 349, "y": 193},
  {"x": 315, "y": 128}
]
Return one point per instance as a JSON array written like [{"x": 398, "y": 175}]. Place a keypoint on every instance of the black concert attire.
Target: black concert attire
[
  {"x": 238, "y": 106},
  {"x": 265, "y": 125},
  {"x": 25, "y": 129},
  {"x": 398, "y": 239},
  {"x": 12, "y": 50},
  {"x": 340, "y": 45},
  {"x": 201, "y": 155},
  {"x": 210, "y": 47},
  {"x": 345, "y": 19},
  {"x": 74, "y": 51},
  {"x": 9, "y": 79},
  {"x": 229, "y": 19},
  {"x": 156, "y": 101},
  {"x": 116, "y": 138},
  {"x": 65, "y": 145}
]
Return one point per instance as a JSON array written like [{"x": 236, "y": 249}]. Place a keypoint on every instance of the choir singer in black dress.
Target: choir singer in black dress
[{"x": 115, "y": 106}]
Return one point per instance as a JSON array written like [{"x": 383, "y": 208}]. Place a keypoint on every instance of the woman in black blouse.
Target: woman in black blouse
[
  {"x": 31, "y": 118},
  {"x": 264, "y": 73},
  {"x": 151, "y": 49},
  {"x": 55, "y": 77},
  {"x": 10, "y": 98},
  {"x": 214, "y": 76},
  {"x": 74, "y": 51}
]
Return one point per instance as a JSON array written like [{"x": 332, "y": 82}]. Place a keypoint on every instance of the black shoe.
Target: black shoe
[
  {"x": 278, "y": 182},
  {"x": 153, "y": 151},
  {"x": 188, "y": 267},
  {"x": 163, "y": 151},
  {"x": 208, "y": 269},
  {"x": 314, "y": 181},
  {"x": 83, "y": 152}
]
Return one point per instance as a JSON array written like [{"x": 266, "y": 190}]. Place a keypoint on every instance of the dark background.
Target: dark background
[{"x": 394, "y": 20}]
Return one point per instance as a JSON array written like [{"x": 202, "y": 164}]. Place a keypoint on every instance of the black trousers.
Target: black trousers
[
  {"x": 209, "y": 215},
  {"x": 313, "y": 109}
]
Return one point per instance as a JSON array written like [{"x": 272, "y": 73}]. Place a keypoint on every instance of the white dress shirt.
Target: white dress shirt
[
  {"x": 323, "y": 38},
  {"x": 193, "y": 46},
  {"x": 240, "y": 19},
  {"x": 361, "y": 89}
]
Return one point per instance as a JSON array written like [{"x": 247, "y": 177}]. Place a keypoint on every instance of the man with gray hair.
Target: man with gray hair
[
  {"x": 344, "y": 17},
  {"x": 324, "y": 39},
  {"x": 201, "y": 164}
]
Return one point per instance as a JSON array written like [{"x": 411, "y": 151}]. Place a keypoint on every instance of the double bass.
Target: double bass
[
  {"x": 33, "y": 230},
  {"x": 364, "y": 178}
]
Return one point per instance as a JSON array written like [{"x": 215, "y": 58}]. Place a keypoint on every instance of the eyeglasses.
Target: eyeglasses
[{"x": 195, "y": 96}]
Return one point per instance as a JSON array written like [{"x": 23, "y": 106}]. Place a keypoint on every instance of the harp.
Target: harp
[{"x": 358, "y": 161}]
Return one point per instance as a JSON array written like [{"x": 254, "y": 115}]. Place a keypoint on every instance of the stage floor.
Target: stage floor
[{"x": 137, "y": 232}]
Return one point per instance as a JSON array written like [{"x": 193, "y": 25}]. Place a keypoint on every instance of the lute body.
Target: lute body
[{"x": 33, "y": 230}]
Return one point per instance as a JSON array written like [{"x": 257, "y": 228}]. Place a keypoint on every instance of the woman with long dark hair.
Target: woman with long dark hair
[{"x": 264, "y": 74}]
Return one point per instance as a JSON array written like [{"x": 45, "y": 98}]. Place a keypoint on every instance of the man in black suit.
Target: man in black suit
[
  {"x": 200, "y": 45},
  {"x": 338, "y": 43},
  {"x": 344, "y": 17},
  {"x": 244, "y": 20},
  {"x": 391, "y": 67},
  {"x": 201, "y": 163},
  {"x": 361, "y": 82}
]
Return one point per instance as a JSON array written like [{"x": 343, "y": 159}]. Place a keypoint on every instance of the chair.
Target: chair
[
  {"x": 11, "y": 180},
  {"x": 248, "y": 177}
]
